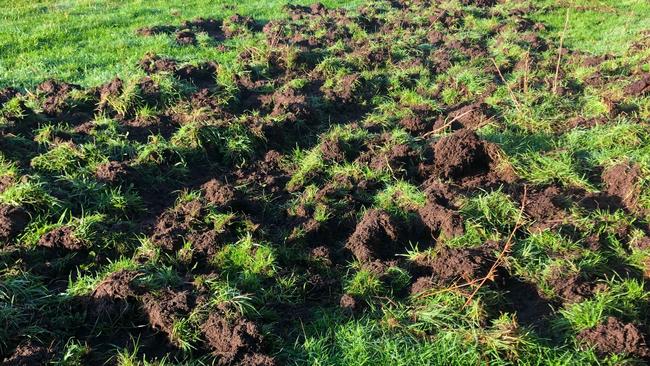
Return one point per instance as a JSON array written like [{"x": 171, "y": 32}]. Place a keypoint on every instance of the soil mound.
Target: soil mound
[
  {"x": 375, "y": 237},
  {"x": 461, "y": 154},
  {"x": 61, "y": 238},
  {"x": 235, "y": 340},
  {"x": 28, "y": 354},
  {"x": 112, "y": 172},
  {"x": 164, "y": 308},
  {"x": 12, "y": 221},
  {"x": 614, "y": 336},
  {"x": 452, "y": 266},
  {"x": 441, "y": 220},
  {"x": 622, "y": 181}
]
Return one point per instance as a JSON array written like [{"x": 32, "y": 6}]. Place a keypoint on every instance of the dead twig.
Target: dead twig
[
  {"x": 559, "y": 53},
  {"x": 512, "y": 94}
]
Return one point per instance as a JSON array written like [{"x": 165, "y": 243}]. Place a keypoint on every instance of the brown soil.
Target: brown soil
[
  {"x": 112, "y": 172},
  {"x": 622, "y": 181},
  {"x": 375, "y": 237},
  {"x": 441, "y": 220},
  {"x": 185, "y": 37},
  {"x": 61, "y": 238},
  {"x": 6, "y": 181},
  {"x": 173, "y": 225},
  {"x": 6, "y": 94},
  {"x": 12, "y": 221},
  {"x": 219, "y": 193},
  {"x": 153, "y": 64},
  {"x": 235, "y": 341},
  {"x": 546, "y": 207},
  {"x": 615, "y": 337},
  {"x": 452, "y": 266},
  {"x": 28, "y": 354},
  {"x": 571, "y": 288},
  {"x": 350, "y": 303},
  {"x": 461, "y": 154},
  {"x": 640, "y": 86},
  {"x": 162, "y": 309},
  {"x": 55, "y": 94},
  {"x": 111, "y": 294}
]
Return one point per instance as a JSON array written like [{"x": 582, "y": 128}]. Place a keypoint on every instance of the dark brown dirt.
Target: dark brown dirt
[
  {"x": 55, "y": 94},
  {"x": 291, "y": 103},
  {"x": 640, "y": 86},
  {"x": 12, "y": 221},
  {"x": 237, "y": 25},
  {"x": 546, "y": 207},
  {"x": 441, "y": 220},
  {"x": 173, "y": 225},
  {"x": 622, "y": 181},
  {"x": 350, "y": 303},
  {"x": 452, "y": 266},
  {"x": 163, "y": 308},
  {"x": 61, "y": 238},
  {"x": 6, "y": 94},
  {"x": 470, "y": 116},
  {"x": 201, "y": 75},
  {"x": 185, "y": 37},
  {"x": 219, "y": 193},
  {"x": 110, "y": 296},
  {"x": 234, "y": 341},
  {"x": 571, "y": 288},
  {"x": 375, "y": 237},
  {"x": 6, "y": 181},
  {"x": 153, "y": 64},
  {"x": 28, "y": 354},
  {"x": 525, "y": 300},
  {"x": 461, "y": 154},
  {"x": 615, "y": 337},
  {"x": 112, "y": 172}
]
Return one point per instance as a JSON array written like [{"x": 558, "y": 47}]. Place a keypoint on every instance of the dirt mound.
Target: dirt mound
[
  {"x": 452, "y": 266},
  {"x": 375, "y": 237},
  {"x": 6, "y": 94},
  {"x": 461, "y": 154},
  {"x": 61, "y": 238},
  {"x": 640, "y": 86},
  {"x": 173, "y": 225},
  {"x": 164, "y": 308},
  {"x": 441, "y": 220},
  {"x": 112, "y": 172},
  {"x": 110, "y": 296},
  {"x": 571, "y": 288},
  {"x": 616, "y": 337},
  {"x": 152, "y": 64},
  {"x": 350, "y": 303},
  {"x": 219, "y": 193},
  {"x": 545, "y": 207},
  {"x": 622, "y": 181},
  {"x": 185, "y": 37},
  {"x": 201, "y": 75},
  {"x": 28, "y": 354},
  {"x": 234, "y": 341},
  {"x": 470, "y": 116},
  {"x": 12, "y": 221},
  {"x": 55, "y": 94}
]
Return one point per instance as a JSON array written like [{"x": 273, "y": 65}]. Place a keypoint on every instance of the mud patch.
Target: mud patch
[{"x": 615, "y": 337}]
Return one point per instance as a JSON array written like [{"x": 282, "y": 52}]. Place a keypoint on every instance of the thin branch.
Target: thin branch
[{"x": 559, "y": 53}]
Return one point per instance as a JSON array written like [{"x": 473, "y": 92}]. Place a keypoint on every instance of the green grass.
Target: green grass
[{"x": 89, "y": 42}]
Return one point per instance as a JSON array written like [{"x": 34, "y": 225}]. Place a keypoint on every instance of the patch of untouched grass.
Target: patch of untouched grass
[
  {"x": 598, "y": 27},
  {"x": 90, "y": 41}
]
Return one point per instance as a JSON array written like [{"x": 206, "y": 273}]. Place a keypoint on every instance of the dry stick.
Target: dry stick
[
  {"x": 526, "y": 71},
  {"x": 559, "y": 53},
  {"x": 447, "y": 124},
  {"x": 506, "y": 249},
  {"x": 512, "y": 94}
]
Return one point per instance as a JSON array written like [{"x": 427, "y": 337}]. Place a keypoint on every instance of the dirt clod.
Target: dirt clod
[
  {"x": 460, "y": 155},
  {"x": 234, "y": 340},
  {"x": 375, "y": 237},
  {"x": 615, "y": 337},
  {"x": 12, "y": 221},
  {"x": 62, "y": 237}
]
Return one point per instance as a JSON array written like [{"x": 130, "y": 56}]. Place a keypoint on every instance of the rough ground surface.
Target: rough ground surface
[{"x": 407, "y": 178}]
